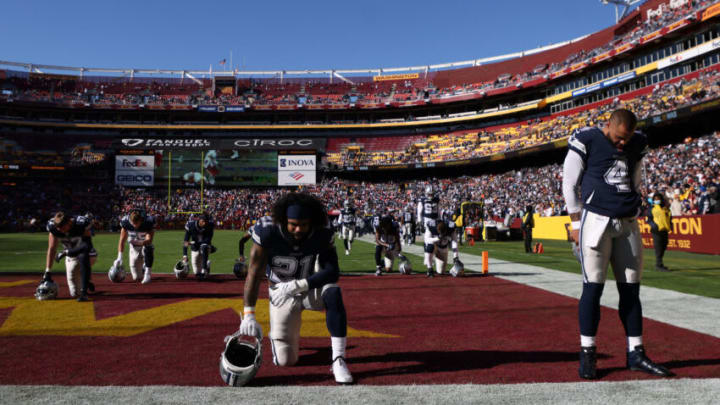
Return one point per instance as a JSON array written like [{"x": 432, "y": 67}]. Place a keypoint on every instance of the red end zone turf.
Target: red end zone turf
[{"x": 414, "y": 330}]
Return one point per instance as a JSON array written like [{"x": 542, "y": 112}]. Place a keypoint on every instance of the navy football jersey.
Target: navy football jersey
[
  {"x": 433, "y": 232},
  {"x": 606, "y": 186},
  {"x": 407, "y": 217},
  {"x": 289, "y": 259},
  {"x": 147, "y": 226},
  {"x": 197, "y": 235},
  {"x": 75, "y": 235},
  {"x": 430, "y": 207},
  {"x": 347, "y": 216}
]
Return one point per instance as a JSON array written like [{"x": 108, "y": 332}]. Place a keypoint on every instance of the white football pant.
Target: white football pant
[{"x": 618, "y": 243}]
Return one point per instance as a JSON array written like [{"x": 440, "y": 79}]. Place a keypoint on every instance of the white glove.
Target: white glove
[
  {"x": 281, "y": 292},
  {"x": 118, "y": 262},
  {"x": 250, "y": 327}
]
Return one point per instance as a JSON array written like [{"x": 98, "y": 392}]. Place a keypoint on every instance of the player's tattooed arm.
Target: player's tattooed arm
[{"x": 258, "y": 263}]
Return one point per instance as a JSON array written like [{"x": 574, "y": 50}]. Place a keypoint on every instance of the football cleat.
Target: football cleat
[
  {"x": 638, "y": 361},
  {"x": 240, "y": 360},
  {"x": 83, "y": 297},
  {"x": 378, "y": 271},
  {"x": 430, "y": 273},
  {"x": 588, "y": 363},
  {"x": 146, "y": 277},
  {"x": 341, "y": 372},
  {"x": 347, "y": 252},
  {"x": 91, "y": 286}
]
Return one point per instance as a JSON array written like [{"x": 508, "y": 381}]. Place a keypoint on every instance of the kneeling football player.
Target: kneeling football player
[
  {"x": 138, "y": 229},
  {"x": 387, "y": 244},
  {"x": 438, "y": 237},
  {"x": 198, "y": 235},
  {"x": 286, "y": 246},
  {"x": 75, "y": 234}
]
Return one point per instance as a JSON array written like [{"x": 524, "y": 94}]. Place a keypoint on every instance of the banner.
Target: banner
[
  {"x": 711, "y": 12},
  {"x": 201, "y": 143},
  {"x": 694, "y": 233},
  {"x": 295, "y": 170},
  {"x": 135, "y": 170},
  {"x": 406, "y": 76}
]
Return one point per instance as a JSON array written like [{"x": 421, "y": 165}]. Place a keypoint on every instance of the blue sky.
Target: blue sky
[{"x": 285, "y": 34}]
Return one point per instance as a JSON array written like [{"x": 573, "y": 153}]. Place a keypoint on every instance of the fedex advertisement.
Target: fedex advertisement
[{"x": 135, "y": 170}]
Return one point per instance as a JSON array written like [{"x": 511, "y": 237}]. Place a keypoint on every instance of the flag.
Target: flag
[{"x": 222, "y": 62}]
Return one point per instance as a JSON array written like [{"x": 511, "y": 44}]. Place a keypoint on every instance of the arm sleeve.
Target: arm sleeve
[
  {"x": 186, "y": 239},
  {"x": 573, "y": 169},
  {"x": 329, "y": 269}
]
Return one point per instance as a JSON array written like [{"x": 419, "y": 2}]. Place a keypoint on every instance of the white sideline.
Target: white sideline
[
  {"x": 693, "y": 312},
  {"x": 693, "y": 391}
]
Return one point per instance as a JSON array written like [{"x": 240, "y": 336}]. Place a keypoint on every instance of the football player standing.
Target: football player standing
[
  {"x": 408, "y": 219},
  {"x": 602, "y": 175},
  {"x": 75, "y": 234},
  {"x": 347, "y": 220},
  {"x": 138, "y": 229},
  {"x": 198, "y": 236},
  {"x": 287, "y": 246}
]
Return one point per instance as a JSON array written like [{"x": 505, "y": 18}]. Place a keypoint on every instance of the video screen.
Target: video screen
[{"x": 217, "y": 168}]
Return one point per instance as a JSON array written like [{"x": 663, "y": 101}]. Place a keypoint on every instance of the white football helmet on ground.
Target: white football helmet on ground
[
  {"x": 47, "y": 290},
  {"x": 458, "y": 269},
  {"x": 404, "y": 267},
  {"x": 240, "y": 360},
  {"x": 181, "y": 269},
  {"x": 240, "y": 269},
  {"x": 116, "y": 274}
]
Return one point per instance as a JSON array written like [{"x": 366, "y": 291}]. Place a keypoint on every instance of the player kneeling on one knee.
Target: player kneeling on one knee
[
  {"x": 198, "y": 235},
  {"x": 438, "y": 237},
  {"x": 75, "y": 235},
  {"x": 138, "y": 229},
  {"x": 387, "y": 244},
  {"x": 285, "y": 247}
]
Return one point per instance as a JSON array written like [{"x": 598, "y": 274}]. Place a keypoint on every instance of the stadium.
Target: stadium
[{"x": 486, "y": 138}]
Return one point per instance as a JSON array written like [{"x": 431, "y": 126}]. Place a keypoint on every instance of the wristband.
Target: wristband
[
  {"x": 575, "y": 225},
  {"x": 249, "y": 311},
  {"x": 119, "y": 256},
  {"x": 47, "y": 269}
]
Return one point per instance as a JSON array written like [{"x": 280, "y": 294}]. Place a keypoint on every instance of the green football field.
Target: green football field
[{"x": 691, "y": 273}]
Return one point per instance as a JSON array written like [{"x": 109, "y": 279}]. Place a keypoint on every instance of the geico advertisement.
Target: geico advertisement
[
  {"x": 296, "y": 177},
  {"x": 135, "y": 171},
  {"x": 296, "y": 162}
]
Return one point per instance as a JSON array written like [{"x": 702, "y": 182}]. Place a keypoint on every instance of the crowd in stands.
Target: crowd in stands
[
  {"x": 687, "y": 173},
  {"x": 119, "y": 91},
  {"x": 464, "y": 145}
]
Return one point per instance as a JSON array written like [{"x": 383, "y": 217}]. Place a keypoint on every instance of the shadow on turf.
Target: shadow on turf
[{"x": 422, "y": 363}]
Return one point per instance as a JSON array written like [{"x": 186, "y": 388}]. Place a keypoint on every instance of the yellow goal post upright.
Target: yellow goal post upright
[{"x": 176, "y": 210}]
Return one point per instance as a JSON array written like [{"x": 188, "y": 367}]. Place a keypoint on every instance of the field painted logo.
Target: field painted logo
[{"x": 31, "y": 317}]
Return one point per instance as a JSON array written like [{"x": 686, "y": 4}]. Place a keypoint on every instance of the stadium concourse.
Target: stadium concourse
[{"x": 688, "y": 173}]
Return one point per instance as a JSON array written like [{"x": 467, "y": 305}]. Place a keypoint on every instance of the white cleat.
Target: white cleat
[
  {"x": 347, "y": 252},
  {"x": 146, "y": 277},
  {"x": 341, "y": 371}
]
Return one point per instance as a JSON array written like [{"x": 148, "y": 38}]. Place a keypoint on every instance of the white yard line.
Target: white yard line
[{"x": 693, "y": 312}]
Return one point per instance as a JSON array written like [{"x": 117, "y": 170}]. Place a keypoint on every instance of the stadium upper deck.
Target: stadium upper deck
[{"x": 656, "y": 35}]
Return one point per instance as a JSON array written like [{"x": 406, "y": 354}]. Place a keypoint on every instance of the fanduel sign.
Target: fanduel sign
[
  {"x": 155, "y": 143},
  {"x": 294, "y": 170}
]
